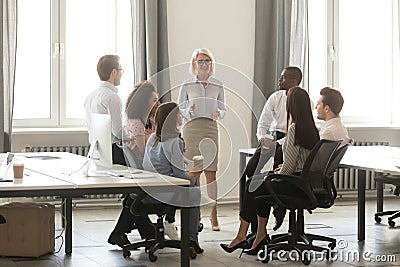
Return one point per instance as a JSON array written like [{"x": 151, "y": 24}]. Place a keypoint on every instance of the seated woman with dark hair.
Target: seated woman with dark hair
[
  {"x": 164, "y": 155},
  {"x": 301, "y": 137},
  {"x": 140, "y": 109}
]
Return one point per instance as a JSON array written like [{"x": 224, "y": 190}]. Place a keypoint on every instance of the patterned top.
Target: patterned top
[
  {"x": 136, "y": 127},
  {"x": 294, "y": 156}
]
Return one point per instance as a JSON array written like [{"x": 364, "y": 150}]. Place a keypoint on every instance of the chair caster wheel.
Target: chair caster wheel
[
  {"x": 306, "y": 260},
  {"x": 391, "y": 223},
  {"x": 126, "y": 253},
  {"x": 378, "y": 219},
  {"x": 152, "y": 257}
]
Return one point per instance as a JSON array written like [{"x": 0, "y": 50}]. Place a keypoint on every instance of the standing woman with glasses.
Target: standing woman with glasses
[{"x": 202, "y": 104}]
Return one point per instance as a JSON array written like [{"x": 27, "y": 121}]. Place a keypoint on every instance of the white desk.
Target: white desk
[
  {"x": 381, "y": 159},
  {"x": 48, "y": 178}
]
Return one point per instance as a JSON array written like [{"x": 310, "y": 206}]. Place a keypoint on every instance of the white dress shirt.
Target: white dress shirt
[
  {"x": 206, "y": 99},
  {"x": 273, "y": 116},
  {"x": 105, "y": 100},
  {"x": 333, "y": 129}
]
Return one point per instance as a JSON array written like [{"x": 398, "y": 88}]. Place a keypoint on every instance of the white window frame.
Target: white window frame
[
  {"x": 58, "y": 52},
  {"x": 332, "y": 15}
]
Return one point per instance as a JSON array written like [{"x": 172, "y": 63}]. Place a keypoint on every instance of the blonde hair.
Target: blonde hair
[{"x": 204, "y": 51}]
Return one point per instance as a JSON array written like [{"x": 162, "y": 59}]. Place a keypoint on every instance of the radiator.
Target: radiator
[
  {"x": 346, "y": 179},
  {"x": 79, "y": 150}
]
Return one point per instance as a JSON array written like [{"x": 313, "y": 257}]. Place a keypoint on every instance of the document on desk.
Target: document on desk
[{"x": 130, "y": 173}]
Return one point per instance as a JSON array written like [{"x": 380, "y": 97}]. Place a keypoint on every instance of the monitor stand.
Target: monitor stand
[{"x": 97, "y": 171}]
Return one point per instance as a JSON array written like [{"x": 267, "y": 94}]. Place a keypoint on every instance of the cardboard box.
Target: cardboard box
[{"x": 28, "y": 231}]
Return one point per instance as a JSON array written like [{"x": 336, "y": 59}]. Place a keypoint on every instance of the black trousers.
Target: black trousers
[
  {"x": 127, "y": 221},
  {"x": 254, "y": 167},
  {"x": 252, "y": 208}
]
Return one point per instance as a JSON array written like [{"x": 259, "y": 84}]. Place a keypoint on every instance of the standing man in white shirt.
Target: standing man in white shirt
[
  {"x": 105, "y": 100},
  {"x": 272, "y": 125},
  {"x": 328, "y": 107}
]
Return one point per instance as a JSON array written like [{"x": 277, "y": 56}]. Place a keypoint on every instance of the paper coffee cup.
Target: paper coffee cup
[
  {"x": 18, "y": 168},
  {"x": 198, "y": 162}
]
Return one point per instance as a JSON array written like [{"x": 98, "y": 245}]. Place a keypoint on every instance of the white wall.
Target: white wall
[{"x": 226, "y": 28}]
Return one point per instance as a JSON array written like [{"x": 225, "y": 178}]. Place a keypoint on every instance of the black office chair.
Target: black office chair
[
  {"x": 394, "y": 180},
  {"x": 142, "y": 204},
  {"x": 316, "y": 183}
]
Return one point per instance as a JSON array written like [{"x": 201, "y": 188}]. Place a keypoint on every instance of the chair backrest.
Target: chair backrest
[
  {"x": 316, "y": 165},
  {"x": 337, "y": 157},
  {"x": 332, "y": 167}
]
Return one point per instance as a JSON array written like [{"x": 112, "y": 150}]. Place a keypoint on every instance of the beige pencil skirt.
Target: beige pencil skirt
[{"x": 201, "y": 138}]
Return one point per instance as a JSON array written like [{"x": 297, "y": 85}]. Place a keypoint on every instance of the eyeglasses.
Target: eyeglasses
[
  {"x": 203, "y": 62},
  {"x": 121, "y": 70}
]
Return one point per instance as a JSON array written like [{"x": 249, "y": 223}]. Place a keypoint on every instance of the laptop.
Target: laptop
[{"x": 5, "y": 164}]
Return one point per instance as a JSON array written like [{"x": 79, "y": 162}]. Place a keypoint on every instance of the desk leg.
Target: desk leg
[
  {"x": 379, "y": 195},
  {"x": 68, "y": 227},
  {"x": 185, "y": 242},
  {"x": 242, "y": 182},
  {"x": 63, "y": 213},
  {"x": 361, "y": 204}
]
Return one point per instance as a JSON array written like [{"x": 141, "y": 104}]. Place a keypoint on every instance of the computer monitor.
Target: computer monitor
[{"x": 100, "y": 152}]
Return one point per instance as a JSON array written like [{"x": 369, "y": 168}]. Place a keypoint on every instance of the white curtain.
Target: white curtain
[
  {"x": 8, "y": 47},
  {"x": 299, "y": 42}
]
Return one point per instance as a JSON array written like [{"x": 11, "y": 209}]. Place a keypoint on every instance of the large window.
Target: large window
[
  {"x": 354, "y": 48},
  {"x": 59, "y": 44}
]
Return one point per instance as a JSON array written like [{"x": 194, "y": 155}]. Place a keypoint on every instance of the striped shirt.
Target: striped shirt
[{"x": 294, "y": 156}]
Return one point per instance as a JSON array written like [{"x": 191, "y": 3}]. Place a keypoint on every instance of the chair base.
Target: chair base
[
  {"x": 153, "y": 245},
  {"x": 297, "y": 240},
  {"x": 395, "y": 214}
]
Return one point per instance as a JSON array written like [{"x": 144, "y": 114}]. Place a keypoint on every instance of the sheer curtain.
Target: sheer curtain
[
  {"x": 150, "y": 44},
  {"x": 272, "y": 49},
  {"x": 8, "y": 46}
]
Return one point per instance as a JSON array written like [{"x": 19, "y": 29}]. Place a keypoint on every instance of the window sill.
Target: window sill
[
  {"x": 65, "y": 130},
  {"x": 372, "y": 126}
]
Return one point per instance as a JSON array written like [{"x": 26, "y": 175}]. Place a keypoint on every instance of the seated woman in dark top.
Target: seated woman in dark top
[{"x": 301, "y": 137}]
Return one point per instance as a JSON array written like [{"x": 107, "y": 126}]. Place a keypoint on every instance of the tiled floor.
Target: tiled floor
[{"x": 93, "y": 225}]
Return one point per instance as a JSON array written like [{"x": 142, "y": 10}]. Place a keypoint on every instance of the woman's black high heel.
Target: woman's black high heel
[
  {"x": 196, "y": 247},
  {"x": 242, "y": 245},
  {"x": 259, "y": 246}
]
